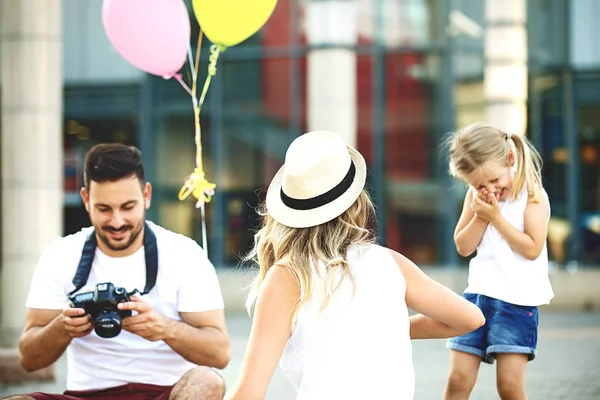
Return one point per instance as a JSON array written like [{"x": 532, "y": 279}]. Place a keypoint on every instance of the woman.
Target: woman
[{"x": 328, "y": 302}]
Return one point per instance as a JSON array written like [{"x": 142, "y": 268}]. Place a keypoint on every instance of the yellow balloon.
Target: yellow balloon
[{"x": 229, "y": 22}]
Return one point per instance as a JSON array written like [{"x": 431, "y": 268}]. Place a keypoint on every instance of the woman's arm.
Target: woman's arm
[
  {"x": 443, "y": 312},
  {"x": 271, "y": 328}
]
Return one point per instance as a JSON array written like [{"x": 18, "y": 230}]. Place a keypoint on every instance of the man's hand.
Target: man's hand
[
  {"x": 148, "y": 323},
  {"x": 76, "y": 322}
]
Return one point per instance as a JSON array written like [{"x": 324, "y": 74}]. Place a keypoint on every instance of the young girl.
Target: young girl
[
  {"x": 329, "y": 304},
  {"x": 505, "y": 218}
]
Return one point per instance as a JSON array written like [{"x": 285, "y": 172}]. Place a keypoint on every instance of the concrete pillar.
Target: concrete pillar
[
  {"x": 32, "y": 150},
  {"x": 331, "y": 79},
  {"x": 505, "y": 76}
]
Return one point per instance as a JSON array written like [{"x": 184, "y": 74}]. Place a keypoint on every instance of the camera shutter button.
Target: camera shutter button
[{"x": 120, "y": 290}]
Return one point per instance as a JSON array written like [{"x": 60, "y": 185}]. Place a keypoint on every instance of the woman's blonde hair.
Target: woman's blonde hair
[
  {"x": 301, "y": 249},
  {"x": 477, "y": 144}
]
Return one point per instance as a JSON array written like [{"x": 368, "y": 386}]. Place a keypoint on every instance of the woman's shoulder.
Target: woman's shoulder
[
  {"x": 361, "y": 250},
  {"x": 385, "y": 256}
]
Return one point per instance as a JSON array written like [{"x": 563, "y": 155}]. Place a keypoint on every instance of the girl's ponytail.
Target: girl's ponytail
[{"x": 529, "y": 167}]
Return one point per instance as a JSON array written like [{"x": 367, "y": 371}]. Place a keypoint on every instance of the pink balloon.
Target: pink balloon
[{"x": 153, "y": 35}]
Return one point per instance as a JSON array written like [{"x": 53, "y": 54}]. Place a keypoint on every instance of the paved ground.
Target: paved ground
[{"x": 567, "y": 367}]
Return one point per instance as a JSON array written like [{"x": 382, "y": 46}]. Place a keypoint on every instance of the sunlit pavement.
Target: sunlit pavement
[{"x": 567, "y": 365}]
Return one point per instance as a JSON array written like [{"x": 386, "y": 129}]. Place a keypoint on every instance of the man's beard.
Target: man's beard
[{"x": 114, "y": 245}]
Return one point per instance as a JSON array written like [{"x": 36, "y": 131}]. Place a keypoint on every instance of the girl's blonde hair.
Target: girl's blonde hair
[
  {"x": 301, "y": 249},
  {"x": 477, "y": 144}
]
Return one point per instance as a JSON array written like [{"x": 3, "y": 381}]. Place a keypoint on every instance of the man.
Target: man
[{"x": 176, "y": 334}]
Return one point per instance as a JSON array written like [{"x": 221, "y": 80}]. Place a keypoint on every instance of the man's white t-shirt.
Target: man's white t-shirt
[{"x": 186, "y": 282}]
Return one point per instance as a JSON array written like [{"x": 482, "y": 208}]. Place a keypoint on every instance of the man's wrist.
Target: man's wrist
[{"x": 170, "y": 329}]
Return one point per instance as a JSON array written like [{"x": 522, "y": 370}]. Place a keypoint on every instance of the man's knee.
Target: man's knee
[
  {"x": 206, "y": 376},
  {"x": 200, "y": 381}
]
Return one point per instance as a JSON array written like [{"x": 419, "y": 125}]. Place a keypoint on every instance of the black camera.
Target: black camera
[{"x": 101, "y": 304}]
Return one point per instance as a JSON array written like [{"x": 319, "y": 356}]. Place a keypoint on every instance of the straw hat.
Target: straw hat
[{"x": 321, "y": 178}]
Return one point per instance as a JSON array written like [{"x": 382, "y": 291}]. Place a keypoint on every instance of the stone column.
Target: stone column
[
  {"x": 32, "y": 150},
  {"x": 505, "y": 76},
  {"x": 331, "y": 78}
]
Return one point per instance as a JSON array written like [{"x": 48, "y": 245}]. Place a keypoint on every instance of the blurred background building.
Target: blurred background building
[{"x": 393, "y": 76}]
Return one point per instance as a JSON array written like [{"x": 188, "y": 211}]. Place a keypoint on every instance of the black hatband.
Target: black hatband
[{"x": 322, "y": 199}]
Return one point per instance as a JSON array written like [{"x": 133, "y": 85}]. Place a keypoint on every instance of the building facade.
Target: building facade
[{"x": 405, "y": 103}]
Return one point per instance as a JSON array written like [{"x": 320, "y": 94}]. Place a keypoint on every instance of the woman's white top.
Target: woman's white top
[
  {"x": 359, "y": 347},
  {"x": 500, "y": 272}
]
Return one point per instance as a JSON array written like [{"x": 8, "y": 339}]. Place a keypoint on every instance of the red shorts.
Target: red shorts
[{"x": 131, "y": 391}]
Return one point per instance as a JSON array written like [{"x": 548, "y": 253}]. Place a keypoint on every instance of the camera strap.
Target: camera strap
[{"x": 87, "y": 258}]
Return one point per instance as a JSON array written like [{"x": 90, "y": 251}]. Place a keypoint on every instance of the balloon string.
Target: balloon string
[
  {"x": 186, "y": 87},
  {"x": 198, "y": 131},
  {"x": 212, "y": 70},
  {"x": 204, "y": 236},
  {"x": 196, "y": 183},
  {"x": 197, "y": 139},
  {"x": 198, "y": 46},
  {"x": 191, "y": 64}
]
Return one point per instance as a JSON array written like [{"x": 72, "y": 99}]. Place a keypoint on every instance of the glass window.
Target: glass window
[
  {"x": 403, "y": 22},
  {"x": 412, "y": 165},
  {"x": 258, "y": 125},
  {"x": 589, "y": 158},
  {"x": 412, "y": 169},
  {"x": 547, "y": 27}
]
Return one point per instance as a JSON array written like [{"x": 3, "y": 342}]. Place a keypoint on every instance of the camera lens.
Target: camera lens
[{"x": 107, "y": 324}]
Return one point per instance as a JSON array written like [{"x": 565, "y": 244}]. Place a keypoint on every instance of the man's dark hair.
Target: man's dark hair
[{"x": 111, "y": 162}]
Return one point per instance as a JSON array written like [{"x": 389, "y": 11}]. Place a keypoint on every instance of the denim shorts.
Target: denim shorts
[{"x": 508, "y": 328}]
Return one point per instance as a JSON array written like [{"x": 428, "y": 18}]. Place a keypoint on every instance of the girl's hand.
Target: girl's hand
[
  {"x": 485, "y": 206},
  {"x": 486, "y": 196}
]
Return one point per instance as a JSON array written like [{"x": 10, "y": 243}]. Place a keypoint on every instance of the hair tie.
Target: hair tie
[{"x": 508, "y": 135}]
